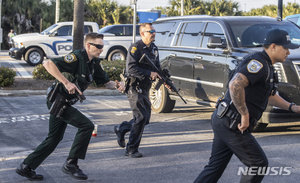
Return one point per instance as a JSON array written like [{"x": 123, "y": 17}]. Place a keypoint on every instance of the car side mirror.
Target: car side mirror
[
  {"x": 215, "y": 42},
  {"x": 53, "y": 34}
]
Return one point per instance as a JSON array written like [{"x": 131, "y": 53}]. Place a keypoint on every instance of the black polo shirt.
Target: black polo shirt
[
  {"x": 258, "y": 69},
  {"x": 135, "y": 52}
]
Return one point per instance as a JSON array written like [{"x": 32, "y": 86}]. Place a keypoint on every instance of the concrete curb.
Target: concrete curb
[{"x": 88, "y": 92}]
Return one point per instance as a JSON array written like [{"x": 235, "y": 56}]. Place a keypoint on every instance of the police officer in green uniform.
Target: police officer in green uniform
[
  {"x": 250, "y": 90},
  {"x": 75, "y": 72}
]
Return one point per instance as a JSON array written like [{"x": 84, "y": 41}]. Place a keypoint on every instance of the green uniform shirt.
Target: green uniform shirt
[{"x": 77, "y": 64}]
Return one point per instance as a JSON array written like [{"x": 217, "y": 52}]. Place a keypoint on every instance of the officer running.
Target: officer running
[
  {"x": 141, "y": 77},
  {"x": 250, "y": 90},
  {"x": 75, "y": 72}
]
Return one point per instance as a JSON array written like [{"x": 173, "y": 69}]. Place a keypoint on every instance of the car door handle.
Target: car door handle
[
  {"x": 69, "y": 40},
  {"x": 173, "y": 55},
  {"x": 198, "y": 57}
]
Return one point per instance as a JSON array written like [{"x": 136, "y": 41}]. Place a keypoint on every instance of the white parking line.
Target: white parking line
[{"x": 21, "y": 70}]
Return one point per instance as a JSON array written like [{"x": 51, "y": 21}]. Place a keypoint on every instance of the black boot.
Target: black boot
[
  {"x": 71, "y": 167},
  {"x": 120, "y": 137},
  {"x": 25, "y": 171}
]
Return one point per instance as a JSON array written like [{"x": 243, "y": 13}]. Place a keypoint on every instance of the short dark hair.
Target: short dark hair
[
  {"x": 144, "y": 25},
  {"x": 91, "y": 36}
]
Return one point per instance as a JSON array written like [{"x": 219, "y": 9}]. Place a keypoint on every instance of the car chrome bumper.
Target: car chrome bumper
[{"x": 16, "y": 53}]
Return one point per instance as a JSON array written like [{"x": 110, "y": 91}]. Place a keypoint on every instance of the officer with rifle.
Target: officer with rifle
[
  {"x": 73, "y": 72},
  {"x": 139, "y": 78}
]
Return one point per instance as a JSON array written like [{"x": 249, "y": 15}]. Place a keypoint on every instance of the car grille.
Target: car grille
[
  {"x": 280, "y": 72},
  {"x": 297, "y": 67}
]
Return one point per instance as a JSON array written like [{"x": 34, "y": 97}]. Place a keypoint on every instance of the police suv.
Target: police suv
[
  {"x": 117, "y": 39},
  {"x": 201, "y": 51},
  {"x": 57, "y": 40}
]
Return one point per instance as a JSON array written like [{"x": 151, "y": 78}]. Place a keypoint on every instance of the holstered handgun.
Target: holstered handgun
[
  {"x": 52, "y": 92},
  {"x": 125, "y": 80},
  {"x": 234, "y": 121},
  {"x": 58, "y": 106}
]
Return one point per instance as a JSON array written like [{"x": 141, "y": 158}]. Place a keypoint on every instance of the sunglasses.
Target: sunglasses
[
  {"x": 150, "y": 31},
  {"x": 99, "y": 46}
]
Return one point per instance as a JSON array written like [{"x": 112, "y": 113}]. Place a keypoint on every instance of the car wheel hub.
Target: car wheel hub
[
  {"x": 155, "y": 97},
  {"x": 34, "y": 57},
  {"x": 117, "y": 56}
]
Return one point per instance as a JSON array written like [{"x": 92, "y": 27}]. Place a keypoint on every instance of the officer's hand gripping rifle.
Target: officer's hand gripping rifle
[{"x": 164, "y": 74}]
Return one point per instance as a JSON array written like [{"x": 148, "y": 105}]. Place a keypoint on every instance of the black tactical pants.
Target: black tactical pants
[
  {"x": 225, "y": 144},
  {"x": 57, "y": 128},
  {"x": 141, "y": 110}
]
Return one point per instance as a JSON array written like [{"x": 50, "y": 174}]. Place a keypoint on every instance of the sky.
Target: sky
[{"x": 244, "y": 5}]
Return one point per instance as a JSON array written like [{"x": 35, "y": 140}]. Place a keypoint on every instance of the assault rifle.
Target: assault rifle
[{"x": 164, "y": 74}]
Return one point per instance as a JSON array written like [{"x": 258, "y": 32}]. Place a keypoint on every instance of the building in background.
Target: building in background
[{"x": 149, "y": 16}]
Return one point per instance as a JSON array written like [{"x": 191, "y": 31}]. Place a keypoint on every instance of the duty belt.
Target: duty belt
[{"x": 231, "y": 113}]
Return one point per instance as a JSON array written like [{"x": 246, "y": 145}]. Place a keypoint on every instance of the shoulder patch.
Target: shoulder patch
[
  {"x": 70, "y": 58},
  {"x": 133, "y": 49},
  {"x": 254, "y": 66}
]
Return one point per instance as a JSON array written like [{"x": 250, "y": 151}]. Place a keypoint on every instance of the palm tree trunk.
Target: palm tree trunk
[{"x": 78, "y": 24}]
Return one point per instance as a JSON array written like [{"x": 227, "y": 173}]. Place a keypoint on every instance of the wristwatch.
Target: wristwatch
[{"x": 290, "y": 107}]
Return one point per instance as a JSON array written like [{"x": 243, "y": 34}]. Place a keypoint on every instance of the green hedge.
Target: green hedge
[
  {"x": 39, "y": 72},
  {"x": 6, "y": 76},
  {"x": 112, "y": 68}
]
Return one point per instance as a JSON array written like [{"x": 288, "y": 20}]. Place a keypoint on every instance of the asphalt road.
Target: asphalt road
[
  {"x": 176, "y": 146},
  {"x": 23, "y": 70}
]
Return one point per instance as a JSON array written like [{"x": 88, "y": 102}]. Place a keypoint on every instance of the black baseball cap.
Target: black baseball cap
[{"x": 280, "y": 37}]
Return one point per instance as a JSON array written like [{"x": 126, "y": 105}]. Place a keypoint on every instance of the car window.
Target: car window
[
  {"x": 252, "y": 34},
  {"x": 105, "y": 29},
  {"x": 171, "y": 35},
  {"x": 87, "y": 29},
  {"x": 116, "y": 30},
  {"x": 162, "y": 31},
  {"x": 64, "y": 31},
  {"x": 294, "y": 19},
  {"x": 129, "y": 30},
  {"x": 213, "y": 30},
  {"x": 48, "y": 30},
  {"x": 126, "y": 30},
  {"x": 190, "y": 34},
  {"x": 179, "y": 34}
]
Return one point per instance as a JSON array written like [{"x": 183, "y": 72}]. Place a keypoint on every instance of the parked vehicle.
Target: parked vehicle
[
  {"x": 294, "y": 18},
  {"x": 201, "y": 51},
  {"x": 56, "y": 40},
  {"x": 117, "y": 39}
]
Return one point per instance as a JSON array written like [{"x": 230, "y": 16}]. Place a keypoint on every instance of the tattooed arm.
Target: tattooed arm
[{"x": 237, "y": 93}]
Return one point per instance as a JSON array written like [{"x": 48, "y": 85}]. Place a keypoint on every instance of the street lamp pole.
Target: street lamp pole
[
  {"x": 57, "y": 11},
  {"x": 279, "y": 10},
  {"x": 133, "y": 2},
  {"x": 1, "y": 31},
  {"x": 182, "y": 8}
]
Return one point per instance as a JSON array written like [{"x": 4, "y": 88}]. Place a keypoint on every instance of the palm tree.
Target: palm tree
[
  {"x": 78, "y": 24},
  {"x": 200, "y": 7},
  {"x": 66, "y": 14}
]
